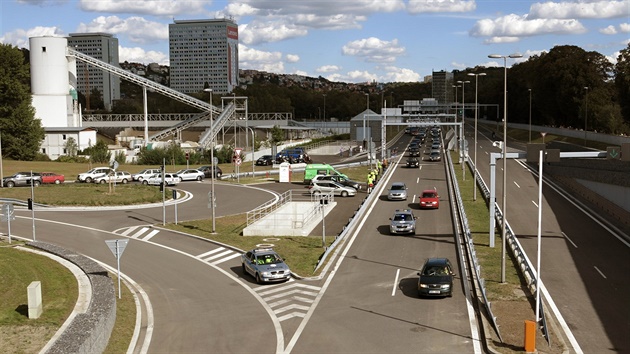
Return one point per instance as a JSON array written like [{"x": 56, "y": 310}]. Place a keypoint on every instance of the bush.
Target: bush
[{"x": 73, "y": 159}]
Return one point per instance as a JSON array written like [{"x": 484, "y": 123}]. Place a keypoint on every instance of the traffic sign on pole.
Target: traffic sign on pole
[{"x": 117, "y": 247}]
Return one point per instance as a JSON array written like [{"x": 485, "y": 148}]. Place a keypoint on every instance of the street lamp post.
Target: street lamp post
[
  {"x": 463, "y": 138},
  {"x": 585, "y": 114},
  {"x": 530, "y": 115},
  {"x": 212, "y": 171},
  {"x": 456, "y": 104},
  {"x": 324, "y": 107},
  {"x": 476, "y": 116},
  {"x": 504, "y": 202}
]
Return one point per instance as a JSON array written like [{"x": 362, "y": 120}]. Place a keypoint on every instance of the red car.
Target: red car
[
  {"x": 429, "y": 199},
  {"x": 51, "y": 177}
]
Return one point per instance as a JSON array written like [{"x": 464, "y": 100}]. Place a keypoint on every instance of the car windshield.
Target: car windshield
[
  {"x": 398, "y": 187},
  {"x": 268, "y": 259},
  {"x": 403, "y": 217},
  {"x": 436, "y": 270},
  {"x": 428, "y": 195}
]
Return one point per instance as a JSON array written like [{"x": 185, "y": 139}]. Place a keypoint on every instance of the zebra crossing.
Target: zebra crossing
[
  {"x": 139, "y": 234},
  {"x": 289, "y": 300},
  {"x": 218, "y": 255}
]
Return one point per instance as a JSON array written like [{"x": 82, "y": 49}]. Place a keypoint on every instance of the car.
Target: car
[
  {"x": 147, "y": 172},
  {"x": 51, "y": 177},
  {"x": 402, "y": 222},
  {"x": 207, "y": 171},
  {"x": 339, "y": 179},
  {"x": 190, "y": 174},
  {"x": 429, "y": 199},
  {"x": 325, "y": 187},
  {"x": 436, "y": 278},
  {"x": 265, "y": 265},
  {"x": 264, "y": 160},
  {"x": 123, "y": 177},
  {"x": 89, "y": 176},
  {"x": 434, "y": 155},
  {"x": 436, "y": 145},
  {"x": 22, "y": 179},
  {"x": 398, "y": 191},
  {"x": 413, "y": 162},
  {"x": 413, "y": 152},
  {"x": 170, "y": 179}
]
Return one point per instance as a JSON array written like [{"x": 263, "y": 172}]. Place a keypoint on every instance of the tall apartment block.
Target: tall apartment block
[
  {"x": 442, "y": 87},
  {"x": 203, "y": 51},
  {"x": 102, "y": 46}
]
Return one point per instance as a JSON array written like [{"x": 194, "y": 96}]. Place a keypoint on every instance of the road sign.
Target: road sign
[
  {"x": 115, "y": 164},
  {"x": 7, "y": 212},
  {"x": 215, "y": 160},
  {"x": 117, "y": 246},
  {"x": 613, "y": 153},
  {"x": 238, "y": 161}
]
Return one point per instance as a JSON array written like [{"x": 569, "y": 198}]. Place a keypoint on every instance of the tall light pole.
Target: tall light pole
[
  {"x": 463, "y": 139},
  {"x": 504, "y": 202},
  {"x": 324, "y": 107},
  {"x": 476, "y": 115},
  {"x": 368, "y": 142},
  {"x": 456, "y": 104},
  {"x": 212, "y": 170},
  {"x": 530, "y": 115},
  {"x": 585, "y": 114}
]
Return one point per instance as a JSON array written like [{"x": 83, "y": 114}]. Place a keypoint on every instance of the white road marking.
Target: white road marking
[
  {"x": 533, "y": 202},
  {"x": 219, "y": 255},
  {"x": 517, "y": 184},
  {"x": 395, "y": 282},
  {"x": 600, "y": 272},
  {"x": 210, "y": 252},
  {"x": 142, "y": 230},
  {"x": 568, "y": 239},
  {"x": 150, "y": 235},
  {"x": 418, "y": 180},
  {"x": 129, "y": 230},
  {"x": 232, "y": 256}
]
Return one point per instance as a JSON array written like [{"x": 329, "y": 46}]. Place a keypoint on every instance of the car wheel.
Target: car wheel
[
  {"x": 344, "y": 193},
  {"x": 198, "y": 178},
  {"x": 124, "y": 181},
  {"x": 88, "y": 180},
  {"x": 102, "y": 181},
  {"x": 36, "y": 183},
  {"x": 57, "y": 181},
  {"x": 145, "y": 182},
  {"x": 258, "y": 280},
  {"x": 218, "y": 175},
  {"x": 140, "y": 179},
  {"x": 10, "y": 184}
]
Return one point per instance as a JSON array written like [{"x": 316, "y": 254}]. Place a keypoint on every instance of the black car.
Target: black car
[
  {"x": 414, "y": 152},
  {"x": 436, "y": 278},
  {"x": 207, "y": 174},
  {"x": 413, "y": 162},
  {"x": 264, "y": 160}
]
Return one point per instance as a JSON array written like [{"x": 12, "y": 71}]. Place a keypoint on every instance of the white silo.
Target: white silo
[{"x": 50, "y": 84}]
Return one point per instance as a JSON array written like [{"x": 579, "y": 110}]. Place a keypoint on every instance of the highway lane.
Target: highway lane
[
  {"x": 583, "y": 265},
  {"x": 370, "y": 302}
]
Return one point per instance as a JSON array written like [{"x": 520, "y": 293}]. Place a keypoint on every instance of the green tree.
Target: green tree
[
  {"x": 622, "y": 82},
  {"x": 99, "y": 153},
  {"x": 22, "y": 133},
  {"x": 71, "y": 147}
]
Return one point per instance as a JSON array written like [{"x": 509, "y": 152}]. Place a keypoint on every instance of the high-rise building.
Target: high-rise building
[
  {"x": 203, "y": 52},
  {"x": 102, "y": 46},
  {"x": 442, "y": 87}
]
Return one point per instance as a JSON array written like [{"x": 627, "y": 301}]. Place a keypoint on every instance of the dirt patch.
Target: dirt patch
[{"x": 24, "y": 339}]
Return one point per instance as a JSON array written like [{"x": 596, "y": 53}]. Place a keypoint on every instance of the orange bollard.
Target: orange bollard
[{"x": 530, "y": 336}]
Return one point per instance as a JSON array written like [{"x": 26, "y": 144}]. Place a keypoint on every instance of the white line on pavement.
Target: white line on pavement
[{"x": 395, "y": 282}]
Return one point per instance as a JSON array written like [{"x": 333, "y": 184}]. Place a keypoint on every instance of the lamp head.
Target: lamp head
[
  {"x": 516, "y": 55},
  {"x": 495, "y": 56}
]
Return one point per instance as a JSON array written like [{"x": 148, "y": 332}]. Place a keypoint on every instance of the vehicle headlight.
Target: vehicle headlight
[
  {"x": 424, "y": 286},
  {"x": 265, "y": 273},
  {"x": 445, "y": 286}
]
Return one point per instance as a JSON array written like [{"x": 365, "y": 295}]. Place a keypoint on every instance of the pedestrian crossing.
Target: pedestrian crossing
[
  {"x": 290, "y": 299},
  {"x": 133, "y": 232},
  {"x": 218, "y": 255}
]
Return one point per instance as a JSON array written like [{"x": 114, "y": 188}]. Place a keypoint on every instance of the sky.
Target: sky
[{"x": 342, "y": 40}]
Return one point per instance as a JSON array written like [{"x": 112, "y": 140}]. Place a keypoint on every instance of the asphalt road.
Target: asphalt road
[{"x": 583, "y": 265}]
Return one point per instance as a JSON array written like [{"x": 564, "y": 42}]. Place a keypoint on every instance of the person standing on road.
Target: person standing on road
[{"x": 370, "y": 183}]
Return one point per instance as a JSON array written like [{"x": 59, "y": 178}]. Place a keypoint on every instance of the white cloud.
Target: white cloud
[
  {"x": 144, "y": 7},
  {"x": 355, "y": 76},
  {"x": 322, "y": 8},
  {"x": 19, "y": 37},
  {"x": 520, "y": 26},
  {"x": 580, "y": 9},
  {"x": 432, "y": 6},
  {"x": 328, "y": 69},
  {"x": 374, "y": 49},
  {"x": 624, "y": 27},
  {"x": 43, "y": 2},
  {"x": 459, "y": 65},
  {"x": 301, "y": 73},
  {"x": 395, "y": 74},
  {"x": 137, "y": 29},
  {"x": 293, "y": 58},
  {"x": 608, "y": 30},
  {"x": 329, "y": 22},
  {"x": 257, "y": 32},
  {"x": 495, "y": 40},
  {"x": 139, "y": 55},
  {"x": 253, "y": 59}
]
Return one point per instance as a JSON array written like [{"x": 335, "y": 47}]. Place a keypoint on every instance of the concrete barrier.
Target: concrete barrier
[{"x": 34, "y": 293}]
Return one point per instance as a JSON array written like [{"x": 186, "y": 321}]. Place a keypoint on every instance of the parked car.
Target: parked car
[
  {"x": 403, "y": 222},
  {"x": 339, "y": 179},
  {"x": 265, "y": 265},
  {"x": 264, "y": 160},
  {"x": 436, "y": 278},
  {"x": 429, "y": 199},
  {"x": 398, "y": 191},
  {"x": 207, "y": 171},
  {"x": 147, "y": 172},
  {"x": 123, "y": 177},
  {"x": 22, "y": 179},
  {"x": 170, "y": 179},
  {"x": 293, "y": 155},
  {"x": 413, "y": 162},
  {"x": 190, "y": 174},
  {"x": 51, "y": 177},
  {"x": 89, "y": 176},
  {"x": 325, "y": 187}
]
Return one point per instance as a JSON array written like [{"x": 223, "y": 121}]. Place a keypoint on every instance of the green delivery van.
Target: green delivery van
[{"x": 314, "y": 169}]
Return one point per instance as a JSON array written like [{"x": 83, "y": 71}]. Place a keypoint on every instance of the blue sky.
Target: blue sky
[{"x": 348, "y": 40}]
